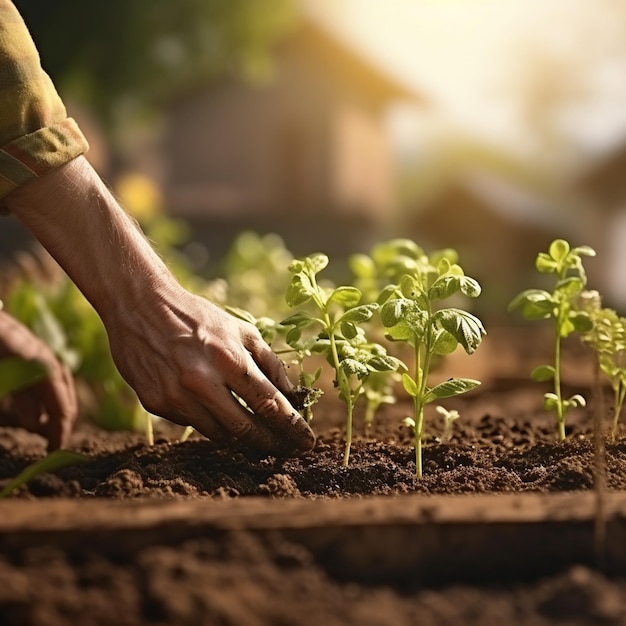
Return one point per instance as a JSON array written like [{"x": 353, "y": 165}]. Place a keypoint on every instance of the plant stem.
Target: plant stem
[
  {"x": 419, "y": 401},
  {"x": 342, "y": 384},
  {"x": 560, "y": 413}
]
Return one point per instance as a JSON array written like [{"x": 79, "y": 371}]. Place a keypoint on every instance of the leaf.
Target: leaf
[
  {"x": 445, "y": 343},
  {"x": 410, "y": 386},
  {"x": 559, "y": 249},
  {"x": 384, "y": 363},
  {"x": 584, "y": 251},
  {"x": 545, "y": 264},
  {"x": 577, "y": 400},
  {"x": 54, "y": 461},
  {"x": 535, "y": 304},
  {"x": 444, "y": 287},
  {"x": 347, "y": 297},
  {"x": 348, "y": 330},
  {"x": 302, "y": 319},
  {"x": 352, "y": 367},
  {"x": 242, "y": 314},
  {"x": 467, "y": 329},
  {"x": 395, "y": 311},
  {"x": 17, "y": 373},
  {"x": 550, "y": 401},
  {"x": 317, "y": 262},
  {"x": 359, "y": 314},
  {"x": 570, "y": 286},
  {"x": 581, "y": 321},
  {"x": 450, "y": 388},
  {"x": 300, "y": 290},
  {"x": 543, "y": 373},
  {"x": 362, "y": 266}
]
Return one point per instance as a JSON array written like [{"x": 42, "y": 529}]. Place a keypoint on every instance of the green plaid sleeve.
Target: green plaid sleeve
[{"x": 35, "y": 133}]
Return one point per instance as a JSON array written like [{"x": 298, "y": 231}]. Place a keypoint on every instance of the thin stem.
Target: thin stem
[{"x": 560, "y": 413}]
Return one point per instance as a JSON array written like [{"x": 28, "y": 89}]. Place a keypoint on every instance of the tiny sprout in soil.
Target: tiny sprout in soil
[
  {"x": 336, "y": 317},
  {"x": 409, "y": 315},
  {"x": 562, "y": 305}
]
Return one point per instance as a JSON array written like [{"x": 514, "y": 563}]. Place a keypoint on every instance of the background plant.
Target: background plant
[
  {"x": 562, "y": 306},
  {"x": 336, "y": 318},
  {"x": 409, "y": 315},
  {"x": 607, "y": 338}
]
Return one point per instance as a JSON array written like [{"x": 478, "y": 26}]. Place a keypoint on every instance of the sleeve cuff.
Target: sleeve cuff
[{"x": 32, "y": 155}]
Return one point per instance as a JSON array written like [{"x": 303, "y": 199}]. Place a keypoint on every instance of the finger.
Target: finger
[
  {"x": 59, "y": 400},
  {"x": 194, "y": 414},
  {"x": 273, "y": 408},
  {"x": 269, "y": 363}
]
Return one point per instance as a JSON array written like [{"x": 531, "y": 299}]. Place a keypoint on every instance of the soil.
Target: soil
[{"x": 503, "y": 443}]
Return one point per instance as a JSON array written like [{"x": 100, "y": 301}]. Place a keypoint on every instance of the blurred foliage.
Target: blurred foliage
[{"x": 104, "y": 53}]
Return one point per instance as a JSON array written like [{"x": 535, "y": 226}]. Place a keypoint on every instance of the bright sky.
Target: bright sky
[{"x": 480, "y": 58}]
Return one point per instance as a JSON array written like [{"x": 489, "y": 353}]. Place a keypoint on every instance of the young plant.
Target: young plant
[
  {"x": 410, "y": 315},
  {"x": 607, "y": 338},
  {"x": 562, "y": 306},
  {"x": 336, "y": 317}
]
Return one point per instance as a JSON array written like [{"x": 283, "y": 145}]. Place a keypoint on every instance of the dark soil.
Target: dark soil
[{"x": 503, "y": 442}]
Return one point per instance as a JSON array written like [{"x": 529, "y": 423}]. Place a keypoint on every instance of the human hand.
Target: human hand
[
  {"x": 48, "y": 407},
  {"x": 186, "y": 357}
]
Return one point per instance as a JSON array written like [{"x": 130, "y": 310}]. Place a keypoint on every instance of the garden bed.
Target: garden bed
[{"x": 505, "y": 527}]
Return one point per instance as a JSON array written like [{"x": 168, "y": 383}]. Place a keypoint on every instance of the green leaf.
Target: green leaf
[
  {"x": 581, "y": 321},
  {"x": 445, "y": 343},
  {"x": 577, "y": 400},
  {"x": 17, "y": 373},
  {"x": 348, "y": 330},
  {"x": 300, "y": 290},
  {"x": 559, "y": 249},
  {"x": 535, "y": 304},
  {"x": 362, "y": 266},
  {"x": 450, "y": 388},
  {"x": 444, "y": 287},
  {"x": 302, "y": 319},
  {"x": 584, "y": 251},
  {"x": 359, "y": 314},
  {"x": 550, "y": 401},
  {"x": 54, "y": 461},
  {"x": 570, "y": 286},
  {"x": 395, "y": 311},
  {"x": 317, "y": 262},
  {"x": 467, "y": 329},
  {"x": 542, "y": 373},
  {"x": 384, "y": 363},
  {"x": 347, "y": 297},
  {"x": 352, "y": 367},
  {"x": 242, "y": 314},
  {"x": 545, "y": 264},
  {"x": 410, "y": 385}
]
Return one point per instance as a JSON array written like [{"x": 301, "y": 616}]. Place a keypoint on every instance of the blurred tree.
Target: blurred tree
[{"x": 126, "y": 56}]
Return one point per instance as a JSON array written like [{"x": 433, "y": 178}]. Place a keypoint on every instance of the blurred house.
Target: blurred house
[
  {"x": 497, "y": 227},
  {"x": 601, "y": 186},
  {"x": 305, "y": 155}
]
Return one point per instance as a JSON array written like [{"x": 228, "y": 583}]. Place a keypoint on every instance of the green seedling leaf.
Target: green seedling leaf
[
  {"x": 577, "y": 400},
  {"x": 550, "y": 401},
  {"x": 384, "y": 363},
  {"x": 347, "y": 297},
  {"x": 450, "y": 388},
  {"x": 241, "y": 314},
  {"x": 352, "y": 367},
  {"x": 410, "y": 386},
  {"x": 570, "y": 286},
  {"x": 349, "y": 330},
  {"x": 300, "y": 290},
  {"x": 467, "y": 329},
  {"x": 359, "y": 314},
  {"x": 445, "y": 343},
  {"x": 535, "y": 304},
  {"x": 54, "y": 461},
  {"x": 581, "y": 321},
  {"x": 302, "y": 319},
  {"x": 559, "y": 249},
  {"x": 543, "y": 373},
  {"x": 17, "y": 373}
]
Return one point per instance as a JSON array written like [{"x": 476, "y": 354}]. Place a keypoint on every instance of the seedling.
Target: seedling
[
  {"x": 608, "y": 340},
  {"x": 562, "y": 306},
  {"x": 336, "y": 318},
  {"x": 408, "y": 313}
]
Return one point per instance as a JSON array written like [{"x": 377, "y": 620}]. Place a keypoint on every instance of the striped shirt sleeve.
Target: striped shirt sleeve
[{"x": 36, "y": 135}]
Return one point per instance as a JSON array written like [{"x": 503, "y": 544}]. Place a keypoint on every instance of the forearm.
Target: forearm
[{"x": 77, "y": 219}]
